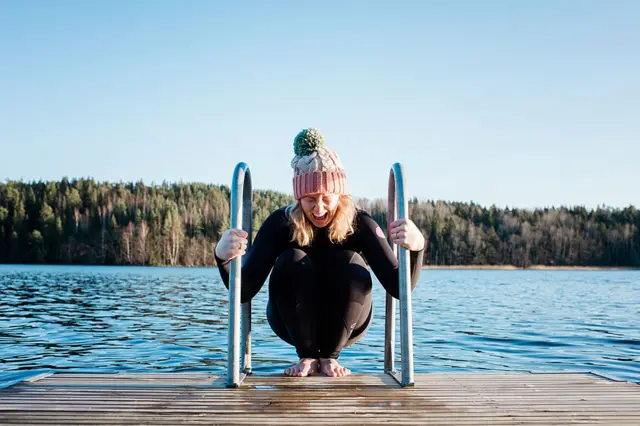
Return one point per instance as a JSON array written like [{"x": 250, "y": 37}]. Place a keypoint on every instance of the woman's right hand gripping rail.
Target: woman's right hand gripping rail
[{"x": 232, "y": 244}]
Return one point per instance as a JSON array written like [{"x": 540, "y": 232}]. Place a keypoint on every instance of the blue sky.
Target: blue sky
[{"x": 518, "y": 103}]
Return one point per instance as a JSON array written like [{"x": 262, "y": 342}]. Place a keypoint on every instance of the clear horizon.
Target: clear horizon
[{"x": 527, "y": 104}]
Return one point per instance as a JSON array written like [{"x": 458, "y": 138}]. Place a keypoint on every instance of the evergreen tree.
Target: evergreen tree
[{"x": 82, "y": 221}]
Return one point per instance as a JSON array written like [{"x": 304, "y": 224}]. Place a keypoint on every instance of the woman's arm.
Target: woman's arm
[
  {"x": 270, "y": 241},
  {"x": 381, "y": 258}
]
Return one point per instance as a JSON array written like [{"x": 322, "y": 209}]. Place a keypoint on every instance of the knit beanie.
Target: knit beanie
[{"x": 316, "y": 167}]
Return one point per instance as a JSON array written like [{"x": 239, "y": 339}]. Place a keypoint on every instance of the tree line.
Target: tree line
[{"x": 82, "y": 221}]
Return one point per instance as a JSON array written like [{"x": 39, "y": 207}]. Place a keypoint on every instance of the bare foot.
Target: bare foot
[
  {"x": 305, "y": 367},
  {"x": 330, "y": 367}
]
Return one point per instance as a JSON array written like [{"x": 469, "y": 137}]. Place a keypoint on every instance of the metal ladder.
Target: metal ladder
[{"x": 239, "y": 322}]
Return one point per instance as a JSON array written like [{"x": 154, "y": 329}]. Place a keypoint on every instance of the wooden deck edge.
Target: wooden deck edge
[
  {"x": 17, "y": 377},
  {"x": 611, "y": 378},
  {"x": 594, "y": 373}
]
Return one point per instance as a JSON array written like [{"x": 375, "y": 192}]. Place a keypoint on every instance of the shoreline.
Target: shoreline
[
  {"x": 424, "y": 267},
  {"x": 530, "y": 268}
]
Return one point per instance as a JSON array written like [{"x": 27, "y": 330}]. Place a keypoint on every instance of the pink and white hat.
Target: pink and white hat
[{"x": 316, "y": 167}]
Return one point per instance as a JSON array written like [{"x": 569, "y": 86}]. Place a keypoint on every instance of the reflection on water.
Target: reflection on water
[{"x": 174, "y": 319}]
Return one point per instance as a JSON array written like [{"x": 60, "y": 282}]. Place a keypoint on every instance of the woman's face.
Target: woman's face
[{"x": 320, "y": 208}]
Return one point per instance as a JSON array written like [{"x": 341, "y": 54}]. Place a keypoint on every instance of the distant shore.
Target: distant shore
[
  {"x": 530, "y": 268},
  {"x": 425, "y": 267}
]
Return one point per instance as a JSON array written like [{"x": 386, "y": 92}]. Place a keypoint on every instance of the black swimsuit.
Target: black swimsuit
[{"x": 319, "y": 296}]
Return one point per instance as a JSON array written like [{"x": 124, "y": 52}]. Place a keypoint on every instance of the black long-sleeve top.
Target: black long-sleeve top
[{"x": 274, "y": 237}]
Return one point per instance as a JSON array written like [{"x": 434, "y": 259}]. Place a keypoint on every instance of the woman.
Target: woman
[{"x": 315, "y": 249}]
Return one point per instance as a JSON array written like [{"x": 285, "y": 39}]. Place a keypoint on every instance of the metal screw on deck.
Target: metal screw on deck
[{"x": 241, "y": 213}]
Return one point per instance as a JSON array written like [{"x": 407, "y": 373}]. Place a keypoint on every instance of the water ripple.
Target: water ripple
[{"x": 174, "y": 319}]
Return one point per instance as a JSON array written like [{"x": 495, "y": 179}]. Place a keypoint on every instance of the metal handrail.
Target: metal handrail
[
  {"x": 239, "y": 321},
  {"x": 239, "y": 327},
  {"x": 398, "y": 208}
]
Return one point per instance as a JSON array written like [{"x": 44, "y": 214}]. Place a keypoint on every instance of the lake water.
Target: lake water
[{"x": 128, "y": 319}]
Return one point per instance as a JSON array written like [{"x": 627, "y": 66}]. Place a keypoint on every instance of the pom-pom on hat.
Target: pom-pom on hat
[{"x": 316, "y": 167}]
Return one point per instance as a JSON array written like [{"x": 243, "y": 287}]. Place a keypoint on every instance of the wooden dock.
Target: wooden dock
[{"x": 437, "y": 399}]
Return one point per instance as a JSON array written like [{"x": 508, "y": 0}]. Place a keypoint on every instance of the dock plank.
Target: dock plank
[{"x": 437, "y": 398}]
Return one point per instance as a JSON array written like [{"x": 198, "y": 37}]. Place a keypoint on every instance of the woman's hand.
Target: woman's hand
[
  {"x": 406, "y": 234},
  {"x": 232, "y": 244}
]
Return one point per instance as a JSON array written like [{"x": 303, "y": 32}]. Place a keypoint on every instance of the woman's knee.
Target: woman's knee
[
  {"x": 349, "y": 257},
  {"x": 350, "y": 266},
  {"x": 293, "y": 259},
  {"x": 292, "y": 268}
]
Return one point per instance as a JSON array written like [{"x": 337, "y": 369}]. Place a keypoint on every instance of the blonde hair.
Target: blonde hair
[{"x": 341, "y": 226}]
